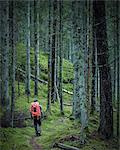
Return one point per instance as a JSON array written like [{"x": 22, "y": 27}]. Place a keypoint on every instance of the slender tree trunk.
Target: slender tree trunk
[
  {"x": 5, "y": 101},
  {"x": 0, "y": 54},
  {"x": 94, "y": 67},
  {"x": 53, "y": 52},
  {"x": 82, "y": 70},
  {"x": 90, "y": 49},
  {"x": 76, "y": 101},
  {"x": 61, "y": 57},
  {"x": 32, "y": 24},
  {"x": 96, "y": 75},
  {"x": 115, "y": 61},
  {"x": 57, "y": 47},
  {"x": 55, "y": 65},
  {"x": 18, "y": 87},
  {"x": 72, "y": 46},
  {"x": 46, "y": 38},
  {"x": 49, "y": 61},
  {"x": 70, "y": 50},
  {"x": 118, "y": 69},
  {"x": 28, "y": 53},
  {"x": 85, "y": 44},
  {"x": 93, "y": 92},
  {"x": 36, "y": 42},
  {"x": 106, "y": 112},
  {"x": 98, "y": 84},
  {"x": 12, "y": 13}
]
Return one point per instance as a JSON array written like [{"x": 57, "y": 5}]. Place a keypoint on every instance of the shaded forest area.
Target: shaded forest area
[{"x": 66, "y": 53}]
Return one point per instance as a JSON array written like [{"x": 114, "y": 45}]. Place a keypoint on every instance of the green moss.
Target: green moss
[{"x": 15, "y": 138}]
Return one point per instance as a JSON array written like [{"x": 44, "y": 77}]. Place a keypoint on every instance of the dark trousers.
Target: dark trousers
[{"x": 37, "y": 125}]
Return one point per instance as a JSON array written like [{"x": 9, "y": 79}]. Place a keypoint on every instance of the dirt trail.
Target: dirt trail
[{"x": 34, "y": 144}]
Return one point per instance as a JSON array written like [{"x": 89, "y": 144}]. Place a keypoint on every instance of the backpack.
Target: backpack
[
  {"x": 35, "y": 109},
  {"x": 41, "y": 111}
]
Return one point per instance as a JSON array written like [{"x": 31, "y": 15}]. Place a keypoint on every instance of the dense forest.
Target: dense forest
[{"x": 66, "y": 54}]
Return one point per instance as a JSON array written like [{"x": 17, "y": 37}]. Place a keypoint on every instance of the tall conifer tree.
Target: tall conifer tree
[{"x": 106, "y": 111}]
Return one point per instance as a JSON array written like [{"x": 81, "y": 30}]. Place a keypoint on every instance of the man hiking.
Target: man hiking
[{"x": 36, "y": 113}]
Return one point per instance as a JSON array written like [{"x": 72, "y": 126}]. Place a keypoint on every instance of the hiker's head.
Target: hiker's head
[{"x": 35, "y": 100}]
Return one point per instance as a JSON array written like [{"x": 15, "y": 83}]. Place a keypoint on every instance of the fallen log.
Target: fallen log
[
  {"x": 42, "y": 81},
  {"x": 32, "y": 76},
  {"x": 67, "y": 104},
  {"x": 64, "y": 90},
  {"x": 65, "y": 147}
]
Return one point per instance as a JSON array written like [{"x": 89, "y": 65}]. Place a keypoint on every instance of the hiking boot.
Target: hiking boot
[{"x": 39, "y": 134}]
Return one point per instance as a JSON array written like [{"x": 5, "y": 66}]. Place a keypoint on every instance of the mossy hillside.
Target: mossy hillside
[{"x": 43, "y": 60}]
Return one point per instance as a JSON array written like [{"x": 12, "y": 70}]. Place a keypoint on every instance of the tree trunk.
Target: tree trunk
[
  {"x": 32, "y": 24},
  {"x": 106, "y": 112},
  {"x": 28, "y": 52},
  {"x": 5, "y": 101},
  {"x": 118, "y": 69},
  {"x": 82, "y": 69},
  {"x": 61, "y": 57},
  {"x": 115, "y": 61},
  {"x": 36, "y": 42},
  {"x": 0, "y": 54},
  {"x": 18, "y": 87},
  {"x": 53, "y": 52},
  {"x": 92, "y": 60},
  {"x": 49, "y": 61},
  {"x": 94, "y": 65},
  {"x": 65, "y": 147},
  {"x": 13, "y": 56},
  {"x": 76, "y": 101}
]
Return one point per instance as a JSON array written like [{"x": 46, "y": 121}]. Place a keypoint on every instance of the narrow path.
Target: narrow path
[{"x": 34, "y": 144}]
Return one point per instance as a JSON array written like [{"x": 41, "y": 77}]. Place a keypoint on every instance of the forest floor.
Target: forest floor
[{"x": 34, "y": 144}]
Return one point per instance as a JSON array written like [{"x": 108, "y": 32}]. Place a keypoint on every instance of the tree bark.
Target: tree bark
[
  {"x": 93, "y": 90},
  {"x": 61, "y": 57},
  {"x": 0, "y": 54},
  {"x": 13, "y": 55},
  {"x": 36, "y": 44},
  {"x": 54, "y": 52},
  {"x": 76, "y": 101},
  {"x": 118, "y": 70},
  {"x": 5, "y": 101},
  {"x": 82, "y": 32},
  {"x": 106, "y": 111},
  {"x": 49, "y": 61},
  {"x": 28, "y": 52}
]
